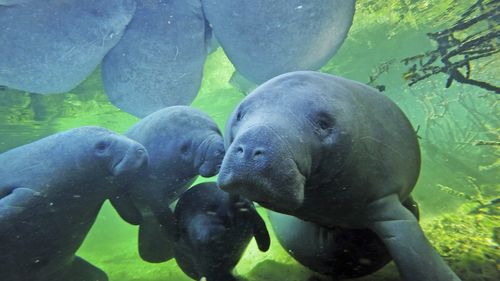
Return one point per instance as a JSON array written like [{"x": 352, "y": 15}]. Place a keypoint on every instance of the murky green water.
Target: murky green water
[{"x": 460, "y": 175}]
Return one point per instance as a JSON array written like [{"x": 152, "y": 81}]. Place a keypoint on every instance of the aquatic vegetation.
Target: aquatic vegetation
[
  {"x": 468, "y": 241},
  {"x": 474, "y": 37}
]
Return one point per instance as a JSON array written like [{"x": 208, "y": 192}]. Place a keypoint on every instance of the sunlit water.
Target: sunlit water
[{"x": 458, "y": 179}]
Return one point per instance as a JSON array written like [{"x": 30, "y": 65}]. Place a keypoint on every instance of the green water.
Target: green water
[{"x": 458, "y": 179}]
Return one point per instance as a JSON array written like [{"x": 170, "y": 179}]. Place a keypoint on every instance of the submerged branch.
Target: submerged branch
[{"x": 452, "y": 55}]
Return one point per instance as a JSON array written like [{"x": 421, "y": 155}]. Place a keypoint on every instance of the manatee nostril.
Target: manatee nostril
[
  {"x": 239, "y": 149},
  {"x": 258, "y": 152}
]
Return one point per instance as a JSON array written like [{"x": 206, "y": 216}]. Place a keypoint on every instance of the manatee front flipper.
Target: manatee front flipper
[
  {"x": 154, "y": 243},
  {"x": 260, "y": 231},
  {"x": 126, "y": 209},
  {"x": 16, "y": 200},
  {"x": 5, "y": 190},
  {"x": 415, "y": 257},
  {"x": 80, "y": 270}
]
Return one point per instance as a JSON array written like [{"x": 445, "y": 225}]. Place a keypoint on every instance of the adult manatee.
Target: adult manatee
[
  {"x": 51, "y": 46},
  {"x": 333, "y": 152},
  {"x": 264, "y": 38},
  {"x": 336, "y": 251},
  {"x": 50, "y": 193},
  {"x": 159, "y": 61},
  {"x": 182, "y": 142},
  {"x": 213, "y": 230}
]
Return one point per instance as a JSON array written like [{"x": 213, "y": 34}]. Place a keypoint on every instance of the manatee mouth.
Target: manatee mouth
[
  {"x": 282, "y": 194},
  {"x": 115, "y": 167},
  {"x": 133, "y": 159}
]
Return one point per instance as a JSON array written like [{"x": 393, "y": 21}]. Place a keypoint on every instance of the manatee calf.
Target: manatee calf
[
  {"x": 51, "y": 46},
  {"x": 343, "y": 253},
  {"x": 159, "y": 60},
  {"x": 50, "y": 193},
  {"x": 265, "y": 38},
  {"x": 333, "y": 152},
  {"x": 213, "y": 230},
  {"x": 183, "y": 143}
]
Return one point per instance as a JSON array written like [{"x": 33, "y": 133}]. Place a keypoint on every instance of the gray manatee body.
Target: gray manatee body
[
  {"x": 182, "y": 142},
  {"x": 51, "y": 191},
  {"x": 265, "y": 38},
  {"x": 159, "y": 60},
  {"x": 13, "y": 2},
  {"x": 333, "y": 152},
  {"x": 51, "y": 46},
  {"x": 213, "y": 230},
  {"x": 343, "y": 253}
]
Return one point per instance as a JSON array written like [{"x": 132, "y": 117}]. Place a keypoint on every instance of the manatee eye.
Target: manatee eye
[
  {"x": 185, "y": 148},
  {"x": 239, "y": 116},
  {"x": 324, "y": 121},
  {"x": 101, "y": 146}
]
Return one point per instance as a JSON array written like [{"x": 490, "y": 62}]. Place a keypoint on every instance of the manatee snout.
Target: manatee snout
[
  {"x": 133, "y": 158},
  {"x": 211, "y": 153},
  {"x": 259, "y": 165}
]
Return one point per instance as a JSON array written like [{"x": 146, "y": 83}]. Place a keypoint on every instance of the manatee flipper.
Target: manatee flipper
[
  {"x": 260, "y": 231},
  {"x": 5, "y": 190},
  {"x": 126, "y": 209},
  {"x": 415, "y": 257},
  {"x": 81, "y": 270},
  {"x": 154, "y": 243},
  {"x": 12, "y": 202},
  {"x": 241, "y": 83}
]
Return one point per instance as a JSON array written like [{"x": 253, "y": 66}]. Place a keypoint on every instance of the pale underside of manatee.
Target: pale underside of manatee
[
  {"x": 159, "y": 60},
  {"x": 51, "y": 46},
  {"x": 265, "y": 38}
]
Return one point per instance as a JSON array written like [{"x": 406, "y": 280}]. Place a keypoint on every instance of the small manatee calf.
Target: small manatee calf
[
  {"x": 50, "y": 46},
  {"x": 51, "y": 191},
  {"x": 333, "y": 152},
  {"x": 159, "y": 60},
  {"x": 183, "y": 142},
  {"x": 213, "y": 230},
  {"x": 342, "y": 253},
  {"x": 264, "y": 38}
]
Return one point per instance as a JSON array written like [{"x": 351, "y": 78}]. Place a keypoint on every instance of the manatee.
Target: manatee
[
  {"x": 51, "y": 191},
  {"x": 159, "y": 61},
  {"x": 13, "y": 2},
  {"x": 182, "y": 142},
  {"x": 213, "y": 230},
  {"x": 333, "y": 152},
  {"x": 343, "y": 253},
  {"x": 265, "y": 38},
  {"x": 51, "y": 46}
]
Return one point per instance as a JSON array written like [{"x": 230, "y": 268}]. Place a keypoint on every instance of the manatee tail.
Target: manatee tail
[
  {"x": 415, "y": 257},
  {"x": 154, "y": 244}
]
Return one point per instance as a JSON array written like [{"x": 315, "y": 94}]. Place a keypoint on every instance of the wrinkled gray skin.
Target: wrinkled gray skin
[
  {"x": 159, "y": 60},
  {"x": 213, "y": 230},
  {"x": 183, "y": 143},
  {"x": 51, "y": 46},
  {"x": 333, "y": 152},
  {"x": 342, "y": 253},
  {"x": 265, "y": 38},
  {"x": 51, "y": 191}
]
